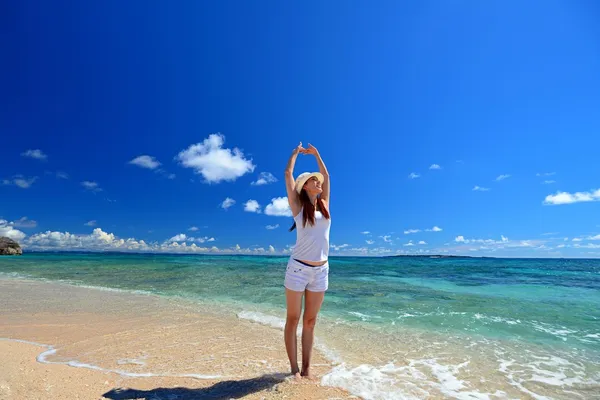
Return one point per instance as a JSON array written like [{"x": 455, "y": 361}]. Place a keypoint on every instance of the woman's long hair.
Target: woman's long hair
[{"x": 308, "y": 210}]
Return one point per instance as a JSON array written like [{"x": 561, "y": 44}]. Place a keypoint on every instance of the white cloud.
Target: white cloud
[
  {"x": 37, "y": 154},
  {"x": 193, "y": 228},
  {"x": 577, "y": 239},
  {"x": 386, "y": 238},
  {"x": 228, "y": 202},
  {"x": 99, "y": 240},
  {"x": 596, "y": 237},
  {"x": 587, "y": 246},
  {"x": 422, "y": 242},
  {"x": 279, "y": 207},
  {"x": 435, "y": 229},
  {"x": 92, "y": 186},
  {"x": 570, "y": 198},
  {"x": 24, "y": 222},
  {"x": 171, "y": 176},
  {"x": 338, "y": 248},
  {"x": 502, "y": 177},
  {"x": 214, "y": 162},
  {"x": 413, "y": 175},
  {"x": 409, "y": 231},
  {"x": 366, "y": 232},
  {"x": 370, "y": 241},
  {"x": 435, "y": 166},
  {"x": 264, "y": 178},
  {"x": 271, "y": 249},
  {"x": 503, "y": 238},
  {"x": 6, "y": 229},
  {"x": 271, "y": 227},
  {"x": 548, "y": 182},
  {"x": 178, "y": 238},
  {"x": 545, "y": 174},
  {"x": 460, "y": 239},
  {"x": 252, "y": 206},
  {"x": 145, "y": 162},
  {"x": 62, "y": 175},
  {"x": 91, "y": 223},
  {"x": 480, "y": 189},
  {"x": 410, "y": 243},
  {"x": 20, "y": 181}
]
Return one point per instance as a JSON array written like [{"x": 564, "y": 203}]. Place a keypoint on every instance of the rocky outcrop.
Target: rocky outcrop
[{"x": 9, "y": 247}]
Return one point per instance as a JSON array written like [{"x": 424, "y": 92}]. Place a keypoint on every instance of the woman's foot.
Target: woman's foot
[
  {"x": 296, "y": 376},
  {"x": 307, "y": 375}
]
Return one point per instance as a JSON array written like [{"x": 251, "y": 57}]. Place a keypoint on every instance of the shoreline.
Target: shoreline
[
  {"x": 63, "y": 341},
  {"x": 340, "y": 256}
]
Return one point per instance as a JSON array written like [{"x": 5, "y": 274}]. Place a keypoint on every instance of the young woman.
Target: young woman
[{"x": 307, "y": 271}]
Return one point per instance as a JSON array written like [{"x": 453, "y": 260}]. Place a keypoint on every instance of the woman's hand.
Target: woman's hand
[
  {"x": 311, "y": 150},
  {"x": 299, "y": 149}
]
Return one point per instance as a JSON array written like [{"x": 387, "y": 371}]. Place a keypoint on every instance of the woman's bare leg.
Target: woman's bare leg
[
  {"x": 312, "y": 305},
  {"x": 294, "y": 308}
]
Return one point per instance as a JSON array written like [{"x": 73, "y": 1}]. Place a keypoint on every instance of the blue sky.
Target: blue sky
[{"x": 213, "y": 97}]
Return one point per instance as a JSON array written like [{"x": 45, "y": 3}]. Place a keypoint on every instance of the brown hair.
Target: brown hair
[{"x": 308, "y": 210}]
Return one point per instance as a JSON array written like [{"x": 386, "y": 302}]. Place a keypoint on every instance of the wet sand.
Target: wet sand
[{"x": 67, "y": 342}]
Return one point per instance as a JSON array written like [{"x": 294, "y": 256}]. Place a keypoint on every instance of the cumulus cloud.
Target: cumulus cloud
[
  {"x": 145, "y": 162},
  {"x": 228, "y": 202},
  {"x": 91, "y": 186},
  {"x": 570, "y": 198},
  {"x": 20, "y": 181},
  {"x": 279, "y": 207},
  {"x": 91, "y": 223},
  {"x": 422, "y": 242},
  {"x": 214, "y": 162},
  {"x": 178, "y": 238},
  {"x": 252, "y": 206},
  {"x": 24, "y": 222},
  {"x": 37, "y": 154},
  {"x": 480, "y": 189},
  {"x": 502, "y": 177},
  {"x": 370, "y": 241},
  {"x": 271, "y": 249},
  {"x": 434, "y": 166},
  {"x": 413, "y": 175},
  {"x": 460, "y": 239},
  {"x": 435, "y": 229},
  {"x": 193, "y": 228},
  {"x": 366, "y": 233},
  {"x": 7, "y": 229},
  {"x": 264, "y": 178},
  {"x": 409, "y": 231},
  {"x": 410, "y": 243},
  {"x": 271, "y": 227}
]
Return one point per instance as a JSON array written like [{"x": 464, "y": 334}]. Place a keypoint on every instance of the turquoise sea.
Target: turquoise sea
[{"x": 396, "y": 327}]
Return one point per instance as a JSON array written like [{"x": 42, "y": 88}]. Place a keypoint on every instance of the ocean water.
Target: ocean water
[{"x": 394, "y": 328}]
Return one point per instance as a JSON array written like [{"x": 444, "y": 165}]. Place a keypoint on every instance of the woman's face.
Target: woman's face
[{"x": 313, "y": 186}]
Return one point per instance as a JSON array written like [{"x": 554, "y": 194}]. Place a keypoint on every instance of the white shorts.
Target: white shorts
[{"x": 299, "y": 277}]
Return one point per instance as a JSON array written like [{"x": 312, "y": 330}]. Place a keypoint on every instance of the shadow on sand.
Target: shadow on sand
[{"x": 221, "y": 390}]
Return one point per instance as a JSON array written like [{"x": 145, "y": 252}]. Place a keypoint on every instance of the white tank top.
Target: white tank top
[{"x": 312, "y": 241}]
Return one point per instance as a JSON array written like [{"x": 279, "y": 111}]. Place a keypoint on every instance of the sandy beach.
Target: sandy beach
[{"x": 66, "y": 342}]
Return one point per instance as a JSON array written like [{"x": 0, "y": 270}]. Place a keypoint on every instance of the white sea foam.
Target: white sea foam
[
  {"x": 410, "y": 381},
  {"x": 561, "y": 332},
  {"x": 363, "y": 317},
  {"x": 42, "y": 358}
]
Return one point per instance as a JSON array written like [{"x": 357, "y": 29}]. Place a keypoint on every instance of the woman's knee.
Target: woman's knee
[
  {"x": 292, "y": 319},
  {"x": 309, "y": 322}
]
